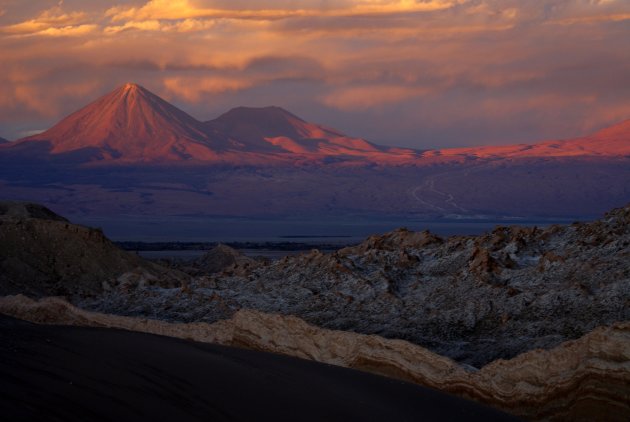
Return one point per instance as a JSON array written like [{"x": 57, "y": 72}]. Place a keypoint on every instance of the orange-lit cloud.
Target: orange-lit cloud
[
  {"x": 592, "y": 19},
  {"x": 186, "y": 9},
  {"x": 412, "y": 72},
  {"x": 366, "y": 97},
  {"x": 53, "y": 21},
  {"x": 194, "y": 89}
]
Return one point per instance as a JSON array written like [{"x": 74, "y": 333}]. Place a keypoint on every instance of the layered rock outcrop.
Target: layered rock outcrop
[{"x": 586, "y": 379}]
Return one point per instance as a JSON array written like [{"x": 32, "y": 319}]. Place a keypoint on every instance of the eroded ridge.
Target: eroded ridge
[{"x": 584, "y": 379}]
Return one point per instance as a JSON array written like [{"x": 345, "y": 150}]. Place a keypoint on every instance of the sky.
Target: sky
[{"x": 414, "y": 73}]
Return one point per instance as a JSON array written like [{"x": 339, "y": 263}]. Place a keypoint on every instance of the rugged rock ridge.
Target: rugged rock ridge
[
  {"x": 585, "y": 379},
  {"x": 474, "y": 299},
  {"x": 42, "y": 253},
  {"x": 222, "y": 258},
  {"x": 12, "y": 210}
]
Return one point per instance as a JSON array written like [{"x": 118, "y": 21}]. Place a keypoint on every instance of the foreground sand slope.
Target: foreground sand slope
[
  {"x": 67, "y": 373},
  {"x": 585, "y": 379}
]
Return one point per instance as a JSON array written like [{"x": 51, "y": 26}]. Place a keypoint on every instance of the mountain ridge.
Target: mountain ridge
[
  {"x": 273, "y": 128},
  {"x": 132, "y": 125},
  {"x": 610, "y": 141},
  {"x": 268, "y": 161}
]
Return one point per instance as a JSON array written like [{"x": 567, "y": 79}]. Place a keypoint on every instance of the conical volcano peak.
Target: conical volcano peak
[
  {"x": 130, "y": 123},
  {"x": 256, "y": 123},
  {"x": 131, "y": 86},
  {"x": 134, "y": 88},
  {"x": 275, "y": 129},
  {"x": 130, "y": 92}
]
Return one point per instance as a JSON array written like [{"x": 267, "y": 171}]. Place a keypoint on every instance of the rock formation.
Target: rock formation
[
  {"x": 223, "y": 258},
  {"x": 43, "y": 254},
  {"x": 410, "y": 304},
  {"x": 586, "y": 379},
  {"x": 474, "y": 299},
  {"x": 12, "y": 210}
]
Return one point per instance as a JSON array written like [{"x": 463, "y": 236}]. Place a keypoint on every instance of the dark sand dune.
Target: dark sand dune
[{"x": 71, "y": 373}]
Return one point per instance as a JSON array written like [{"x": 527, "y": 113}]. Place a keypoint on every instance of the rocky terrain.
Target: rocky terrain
[
  {"x": 587, "y": 379},
  {"x": 221, "y": 258},
  {"x": 409, "y": 305},
  {"x": 474, "y": 299},
  {"x": 43, "y": 254}
]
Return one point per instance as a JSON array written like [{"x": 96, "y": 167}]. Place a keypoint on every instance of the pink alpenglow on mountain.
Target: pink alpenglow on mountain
[
  {"x": 133, "y": 125},
  {"x": 130, "y": 124},
  {"x": 253, "y": 156},
  {"x": 608, "y": 142},
  {"x": 275, "y": 130}
]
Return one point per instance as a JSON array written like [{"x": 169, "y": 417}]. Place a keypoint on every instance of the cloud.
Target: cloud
[
  {"x": 66, "y": 31},
  {"x": 366, "y": 97},
  {"x": 195, "y": 89},
  {"x": 186, "y": 9},
  {"x": 417, "y": 73},
  {"x": 41, "y": 100},
  {"x": 182, "y": 26},
  {"x": 285, "y": 68},
  {"x": 147, "y": 25},
  {"x": 402, "y": 6},
  {"x": 53, "y": 21},
  {"x": 592, "y": 19}
]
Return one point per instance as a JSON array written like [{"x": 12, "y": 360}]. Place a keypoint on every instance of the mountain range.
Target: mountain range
[
  {"x": 132, "y": 125},
  {"x": 132, "y": 153}
]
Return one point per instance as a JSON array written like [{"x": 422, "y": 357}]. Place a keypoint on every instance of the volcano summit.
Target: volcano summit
[
  {"x": 131, "y": 152},
  {"x": 133, "y": 125}
]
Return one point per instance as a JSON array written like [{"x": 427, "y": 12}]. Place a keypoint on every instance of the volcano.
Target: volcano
[
  {"x": 132, "y": 153},
  {"x": 132, "y": 125},
  {"x": 273, "y": 129}
]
